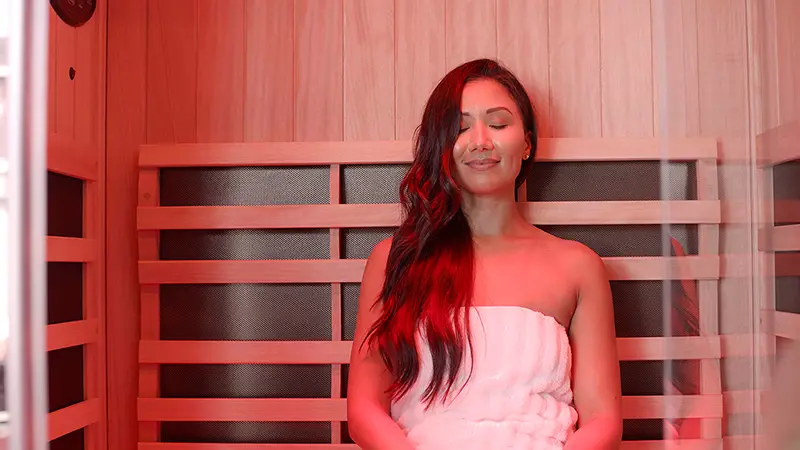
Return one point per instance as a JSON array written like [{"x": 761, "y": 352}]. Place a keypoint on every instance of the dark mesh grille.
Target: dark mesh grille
[
  {"x": 302, "y": 312},
  {"x": 65, "y": 377},
  {"x": 245, "y": 381},
  {"x": 70, "y": 441},
  {"x": 626, "y": 240},
  {"x": 639, "y": 307},
  {"x": 247, "y": 432},
  {"x": 785, "y": 185},
  {"x": 372, "y": 184},
  {"x": 357, "y": 243},
  {"x": 787, "y": 294},
  {"x": 648, "y": 377},
  {"x": 246, "y": 312},
  {"x": 64, "y": 206},
  {"x": 245, "y": 186},
  {"x": 606, "y": 181},
  {"x": 64, "y": 292},
  {"x": 642, "y": 429},
  {"x": 350, "y": 293},
  {"x": 245, "y": 244}
]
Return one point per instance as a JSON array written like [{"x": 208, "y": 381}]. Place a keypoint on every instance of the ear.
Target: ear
[{"x": 528, "y": 144}]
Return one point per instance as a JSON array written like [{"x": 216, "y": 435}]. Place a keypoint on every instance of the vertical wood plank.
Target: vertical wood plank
[
  {"x": 626, "y": 68},
  {"x": 51, "y": 71},
  {"x": 64, "y": 87},
  {"x": 318, "y": 50},
  {"x": 150, "y": 301},
  {"x": 470, "y": 31},
  {"x": 764, "y": 63},
  {"x": 419, "y": 60},
  {"x": 369, "y": 69},
  {"x": 126, "y": 130},
  {"x": 723, "y": 100},
  {"x": 675, "y": 68},
  {"x": 522, "y": 46},
  {"x": 336, "y": 298},
  {"x": 319, "y": 109},
  {"x": 708, "y": 295},
  {"x": 90, "y": 120},
  {"x": 86, "y": 83},
  {"x": 575, "y": 68},
  {"x": 172, "y": 71},
  {"x": 269, "y": 73},
  {"x": 220, "y": 70},
  {"x": 788, "y": 59}
]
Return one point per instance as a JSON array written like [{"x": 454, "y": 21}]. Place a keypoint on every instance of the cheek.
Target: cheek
[{"x": 459, "y": 148}]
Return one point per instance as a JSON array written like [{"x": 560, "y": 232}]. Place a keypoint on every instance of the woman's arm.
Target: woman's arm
[
  {"x": 595, "y": 365},
  {"x": 368, "y": 420}
]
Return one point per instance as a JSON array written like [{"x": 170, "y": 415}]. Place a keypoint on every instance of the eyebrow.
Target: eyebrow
[{"x": 490, "y": 110}]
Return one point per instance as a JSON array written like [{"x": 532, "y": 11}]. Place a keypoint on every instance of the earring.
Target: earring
[{"x": 526, "y": 156}]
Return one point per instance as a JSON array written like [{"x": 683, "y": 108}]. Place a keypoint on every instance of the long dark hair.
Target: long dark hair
[{"x": 431, "y": 264}]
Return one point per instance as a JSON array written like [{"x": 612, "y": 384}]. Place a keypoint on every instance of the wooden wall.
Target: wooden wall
[
  {"x": 76, "y": 233},
  {"x": 776, "y": 127},
  {"x": 194, "y": 71}
]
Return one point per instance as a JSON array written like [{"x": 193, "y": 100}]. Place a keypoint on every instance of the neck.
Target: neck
[{"x": 492, "y": 215}]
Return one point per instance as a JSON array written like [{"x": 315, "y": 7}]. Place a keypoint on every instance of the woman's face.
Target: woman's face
[{"x": 492, "y": 141}]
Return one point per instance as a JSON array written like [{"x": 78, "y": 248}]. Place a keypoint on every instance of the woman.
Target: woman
[{"x": 476, "y": 330}]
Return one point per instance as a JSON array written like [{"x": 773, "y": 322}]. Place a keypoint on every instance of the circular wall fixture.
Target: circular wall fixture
[{"x": 74, "y": 12}]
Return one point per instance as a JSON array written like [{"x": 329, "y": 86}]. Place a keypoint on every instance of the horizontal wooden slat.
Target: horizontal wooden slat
[
  {"x": 400, "y": 152},
  {"x": 244, "y": 352},
  {"x": 326, "y": 410},
  {"x": 786, "y": 325},
  {"x": 672, "y": 348},
  {"x": 784, "y": 238},
  {"x": 685, "y": 444},
  {"x": 72, "y": 418},
  {"x": 68, "y": 158},
  {"x": 67, "y": 249},
  {"x": 71, "y": 334},
  {"x": 351, "y": 270},
  {"x": 388, "y": 215},
  {"x": 778, "y": 145},
  {"x": 338, "y": 352}
]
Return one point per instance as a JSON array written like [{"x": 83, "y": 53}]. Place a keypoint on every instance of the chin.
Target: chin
[{"x": 488, "y": 189}]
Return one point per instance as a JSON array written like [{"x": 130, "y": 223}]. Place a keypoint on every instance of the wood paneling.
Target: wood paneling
[
  {"x": 172, "y": 71},
  {"x": 419, "y": 59},
  {"x": 236, "y": 71},
  {"x": 369, "y": 68},
  {"x": 220, "y": 70},
  {"x": 470, "y": 28},
  {"x": 318, "y": 66},
  {"x": 575, "y": 93},
  {"x": 269, "y": 76},
  {"x": 626, "y": 75},
  {"x": 126, "y": 129},
  {"x": 76, "y": 149}
]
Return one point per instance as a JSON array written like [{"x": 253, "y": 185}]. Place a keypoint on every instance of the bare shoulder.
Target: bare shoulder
[
  {"x": 380, "y": 254},
  {"x": 578, "y": 259},
  {"x": 375, "y": 269}
]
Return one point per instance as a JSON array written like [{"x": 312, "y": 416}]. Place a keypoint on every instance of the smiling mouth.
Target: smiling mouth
[{"x": 483, "y": 163}]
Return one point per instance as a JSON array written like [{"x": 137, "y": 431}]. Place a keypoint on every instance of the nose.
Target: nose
[{"x": 480, "y": 137}]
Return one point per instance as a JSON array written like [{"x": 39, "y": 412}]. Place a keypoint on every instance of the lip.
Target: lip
[{"x": 483, "y": 164}]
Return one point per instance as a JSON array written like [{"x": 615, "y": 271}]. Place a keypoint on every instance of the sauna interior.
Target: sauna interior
[{"x": 218, "y": 171}]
